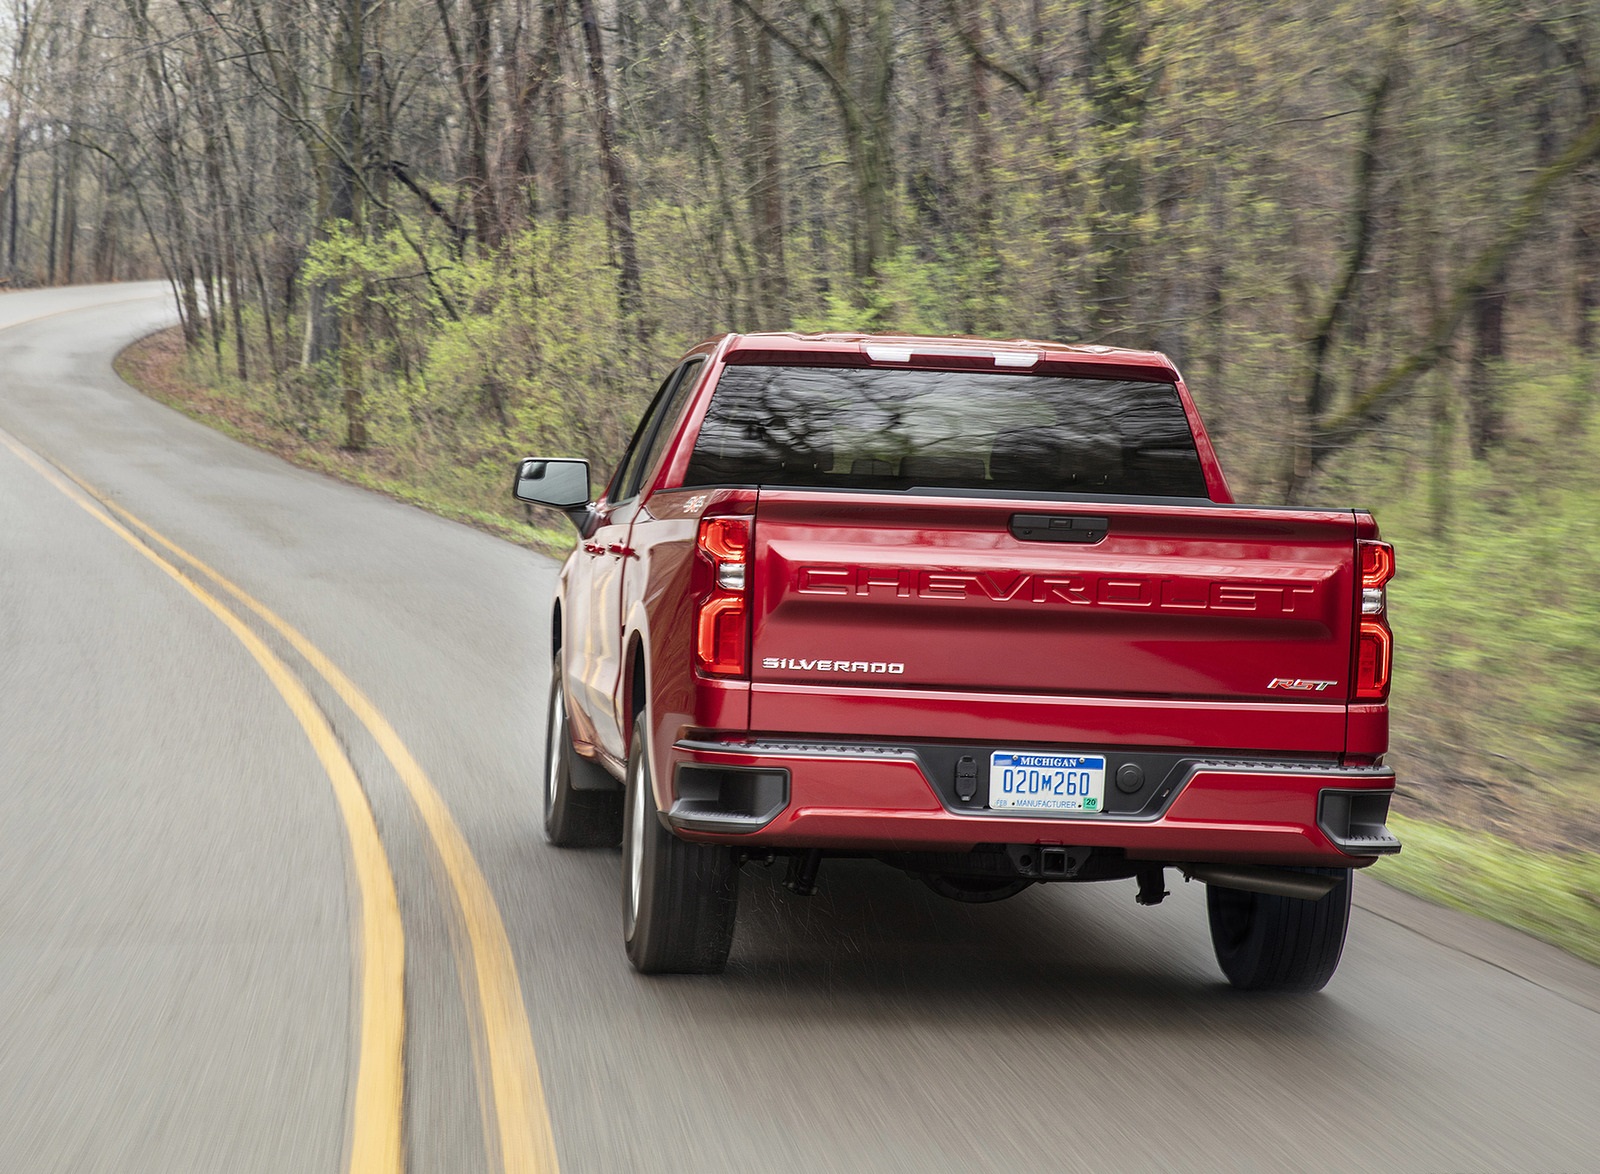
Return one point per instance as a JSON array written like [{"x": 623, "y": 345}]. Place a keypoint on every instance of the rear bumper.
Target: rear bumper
[{"x": 882, "y": 798}]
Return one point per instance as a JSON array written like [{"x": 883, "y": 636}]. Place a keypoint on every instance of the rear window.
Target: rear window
[{"x": 877, "y": 428}]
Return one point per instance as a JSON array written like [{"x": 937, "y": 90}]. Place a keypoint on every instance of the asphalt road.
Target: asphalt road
[{"x": 192, "y": 940}]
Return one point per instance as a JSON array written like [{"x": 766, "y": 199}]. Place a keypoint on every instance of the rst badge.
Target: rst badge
[{"x": 1298, "y": 685}]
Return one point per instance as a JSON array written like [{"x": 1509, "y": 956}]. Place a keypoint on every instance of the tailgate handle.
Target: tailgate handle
[{"x": 1059, "y": 528}]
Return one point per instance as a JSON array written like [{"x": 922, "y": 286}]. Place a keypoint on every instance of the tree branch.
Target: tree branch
[
  {"x": 804, "y": 55},
  {"x": 1372, "y": 405},
  {"x": 1365, "y": 229},
  {"x": 1011, "y": 78},
  {"x": 398, "y": 170}
]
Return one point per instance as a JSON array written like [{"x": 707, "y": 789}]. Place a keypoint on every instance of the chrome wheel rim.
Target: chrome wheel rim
[
  {"x": 554, "y": 736},
  {"x": 636, "y": 843}
]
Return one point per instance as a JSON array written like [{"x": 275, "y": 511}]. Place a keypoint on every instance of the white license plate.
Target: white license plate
[{"x": 1047, "y": 782}]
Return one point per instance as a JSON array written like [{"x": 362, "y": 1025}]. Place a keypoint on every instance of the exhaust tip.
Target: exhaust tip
[{"x": 1277, "y": 882}]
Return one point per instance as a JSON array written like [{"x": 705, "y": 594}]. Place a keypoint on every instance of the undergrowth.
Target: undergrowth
[
  {"x": 1551, "y": 895},
  {"x": 1496, "y": 701}
]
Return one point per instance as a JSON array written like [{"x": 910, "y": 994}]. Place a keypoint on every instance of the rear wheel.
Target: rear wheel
[
  {"x": 1270, "y": 943},
  {"x": 590, "y": 817},
  {"x": 679, "y": 899}
]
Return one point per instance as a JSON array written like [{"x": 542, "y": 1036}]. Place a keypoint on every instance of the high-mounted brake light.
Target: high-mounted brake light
[
  {"x": 722, "y": 619},
  {"x": 879, "y": 353},
  {"x": 1374, "y": 640}
]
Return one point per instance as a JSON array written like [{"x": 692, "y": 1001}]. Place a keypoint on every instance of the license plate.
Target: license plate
[{"x": 1047, "y": 782}]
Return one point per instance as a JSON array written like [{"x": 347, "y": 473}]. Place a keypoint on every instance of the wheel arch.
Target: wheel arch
[{"x": 638, "y": 695}]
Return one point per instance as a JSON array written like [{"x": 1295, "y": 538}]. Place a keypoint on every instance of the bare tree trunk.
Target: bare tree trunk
[
  {"x": 619, "y": 213},
  {"x": 1586, "y": 260},
  {"x": 559, "y": 167},
  {"x": 1320, "y": 387},
  {"x": 862, "y": 86},
  {"x": 1119, "y": 85},
  {"x": 724, "y": 230},
  {"x": 480, "y": 42},
  {"x": 473, "y": 69},
  {"x": 764, "y": 170},
  {"x": 1215, "y": 298},
  {"x": 346, "y": 130},
  {"x": 169, "y": 169},
  {"x": 10, "y": 177},
  {"x": 528, "y": 70},
  {"x": 338, "y": 151},
  {"x": 1485, "y": 415},
  {"x": 223, "y": 255},
  {"x": 931, "y": 176},
  {"x": 1032, "y": 78},
  {"x": 103, "y": 255},
  {"x": 79, "y": 82},
  {"x": 13, "y": 213},
  {"x": 1441, "y": 438},
  {"x": 55, "y": 217},
  {"x": 877, "y": 183}
]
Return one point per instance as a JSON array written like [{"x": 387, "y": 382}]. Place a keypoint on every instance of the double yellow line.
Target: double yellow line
[{"x": 515, "y": 1096}]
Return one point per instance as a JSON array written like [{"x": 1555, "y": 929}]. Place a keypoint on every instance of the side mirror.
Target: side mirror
[{"x": 561, "y": 483}]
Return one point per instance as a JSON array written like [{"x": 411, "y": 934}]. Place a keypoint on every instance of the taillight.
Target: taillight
[
  {"x": 1377, "y": 563},
  {"x": 722, "y": 628},
  {"x": 1374, "y": 640},
  {"x": 1374, "y": 659}
]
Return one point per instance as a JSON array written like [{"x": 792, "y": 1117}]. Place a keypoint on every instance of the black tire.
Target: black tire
[
  {"x": 573, "y": 818},
  {"x": 679, "y": 900},
  {"x": 1270, "y": 943}
]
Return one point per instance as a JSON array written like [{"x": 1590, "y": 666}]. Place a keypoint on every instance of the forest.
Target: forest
[{"x": 412, "y": 240}]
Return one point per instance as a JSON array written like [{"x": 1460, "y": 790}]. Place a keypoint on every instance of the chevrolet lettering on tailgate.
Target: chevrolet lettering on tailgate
[{"x": 1159, "y": 593}]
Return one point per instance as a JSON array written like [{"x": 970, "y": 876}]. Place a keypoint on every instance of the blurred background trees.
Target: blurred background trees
[{"x": 1311, "y": 205}]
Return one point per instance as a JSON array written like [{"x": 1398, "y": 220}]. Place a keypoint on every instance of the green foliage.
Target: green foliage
[
  {"x": 909, "y": 296},
  {"x": 485, "y": 357},
  {"x": 1498, "y": 623}
]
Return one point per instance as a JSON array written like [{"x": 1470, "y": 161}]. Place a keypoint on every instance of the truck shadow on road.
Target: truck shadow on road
[{"x": 876, "y": 944}]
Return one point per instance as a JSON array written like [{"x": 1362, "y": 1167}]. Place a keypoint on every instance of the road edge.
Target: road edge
[{"x": 1502, "y": 946}]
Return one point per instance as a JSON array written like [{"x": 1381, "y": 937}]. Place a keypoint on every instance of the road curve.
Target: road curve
[{"x": 180, "y": 934}]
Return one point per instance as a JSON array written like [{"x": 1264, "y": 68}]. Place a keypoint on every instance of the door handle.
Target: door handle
[{"x": 1059, "y": 528}]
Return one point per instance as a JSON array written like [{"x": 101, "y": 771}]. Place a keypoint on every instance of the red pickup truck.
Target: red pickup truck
[{"x": 985, "y": 611}]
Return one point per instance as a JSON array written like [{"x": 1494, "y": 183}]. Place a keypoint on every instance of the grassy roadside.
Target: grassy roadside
[
  {"x": 1552, "y": 892},
  {"x": 158, "y": 367},
  {"x": 1551, "y": 895}
]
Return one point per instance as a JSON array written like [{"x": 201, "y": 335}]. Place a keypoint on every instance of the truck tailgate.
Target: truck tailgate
[{"x": 1235, "y": 613}]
